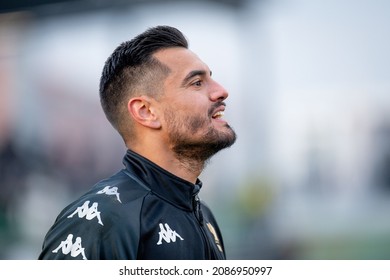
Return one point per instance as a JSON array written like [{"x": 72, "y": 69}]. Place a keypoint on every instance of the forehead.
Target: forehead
[{"x": 180, "y": 61}]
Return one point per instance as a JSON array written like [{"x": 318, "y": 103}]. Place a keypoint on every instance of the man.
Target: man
[{"x": 161, "y": 99}]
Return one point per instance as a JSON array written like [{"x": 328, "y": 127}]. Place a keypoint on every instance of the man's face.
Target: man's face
[{"x": 193, "y": 107}]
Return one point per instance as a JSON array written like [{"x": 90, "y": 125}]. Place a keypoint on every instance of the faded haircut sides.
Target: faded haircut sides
[{"x": 132, "y": 68}]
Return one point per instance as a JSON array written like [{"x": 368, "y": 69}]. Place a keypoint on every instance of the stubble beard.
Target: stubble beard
[{"x": 192, "y": 150}]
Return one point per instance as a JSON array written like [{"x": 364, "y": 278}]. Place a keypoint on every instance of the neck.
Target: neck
[
  {"x": 189, "y": 168},
  {"x": 182, "y": 167}
]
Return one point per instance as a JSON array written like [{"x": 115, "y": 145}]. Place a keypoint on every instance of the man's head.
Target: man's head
[
  {"x": 132, "y": 70},
  {"x": 161, "y": 97}
]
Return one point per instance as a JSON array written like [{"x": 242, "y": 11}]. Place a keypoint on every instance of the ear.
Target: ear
[{"x": 142, "y": 110}]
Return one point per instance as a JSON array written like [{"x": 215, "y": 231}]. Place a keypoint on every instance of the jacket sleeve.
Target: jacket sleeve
[{"x": 95, "y": 227}]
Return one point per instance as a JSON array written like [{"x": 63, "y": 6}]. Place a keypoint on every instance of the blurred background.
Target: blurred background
[{"x": 309, "y": 84}]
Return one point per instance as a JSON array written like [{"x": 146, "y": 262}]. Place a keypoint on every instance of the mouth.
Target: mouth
[
  {"x": 219, "y": 112},
  {"x": 218, "y": 115}
]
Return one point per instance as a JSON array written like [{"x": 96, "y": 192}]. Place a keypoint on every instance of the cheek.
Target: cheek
[
  {"x": 198, "y": 111},
  {"x": 187, "y": 114},
  {"x": 185, "y": 122},
  {"x": 197, "y": 122}
]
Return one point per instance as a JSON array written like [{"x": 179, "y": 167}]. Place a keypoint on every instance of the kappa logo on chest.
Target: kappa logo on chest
[{"x": 167, "y": 234}]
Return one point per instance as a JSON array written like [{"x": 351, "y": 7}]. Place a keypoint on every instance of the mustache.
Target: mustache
[{"x": 215, "y": 106}]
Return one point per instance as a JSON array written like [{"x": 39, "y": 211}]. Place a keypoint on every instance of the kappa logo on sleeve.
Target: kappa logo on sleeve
[
  {"x": 88, "y": 212},
  {"x": 167, "y": 234},
  {"x": 68, "y": 247},
  {"x": 108, "y": 190}
]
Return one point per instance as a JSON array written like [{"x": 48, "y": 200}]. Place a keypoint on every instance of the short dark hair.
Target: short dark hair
[{"x": 131, "y": 67}]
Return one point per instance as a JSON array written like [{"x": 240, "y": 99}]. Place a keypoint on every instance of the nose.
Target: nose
[{"x": 218, "y": 92}]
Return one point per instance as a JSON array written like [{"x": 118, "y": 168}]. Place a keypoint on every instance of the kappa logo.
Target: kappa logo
[
  {"x": 68, "y": 247},
  {"x": 108, "y": 190},
  {"x": 88, "y": 212},
  {"x": 167, "y": 234}
]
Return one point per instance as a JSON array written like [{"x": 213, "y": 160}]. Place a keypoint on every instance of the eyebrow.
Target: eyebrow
[{"x": 193, "y": 74}]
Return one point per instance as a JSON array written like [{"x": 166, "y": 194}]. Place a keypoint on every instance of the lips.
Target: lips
[
  {"x": 217, "y": 111},
  {"x": 218, "y": 115}
]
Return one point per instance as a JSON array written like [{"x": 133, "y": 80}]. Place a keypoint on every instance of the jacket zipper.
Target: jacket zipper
[
  {"x": 198, "y": 211},
  {"x": 199, "y": 217}
]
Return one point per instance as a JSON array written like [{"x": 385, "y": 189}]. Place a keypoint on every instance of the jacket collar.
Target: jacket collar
[{"x": 164, "y": 184}]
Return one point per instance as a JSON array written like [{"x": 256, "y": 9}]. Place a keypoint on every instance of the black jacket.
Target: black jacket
[{"x": 141, "y": 212}]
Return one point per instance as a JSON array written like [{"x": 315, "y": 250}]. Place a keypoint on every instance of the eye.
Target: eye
[{"x": 197, "y": 83}]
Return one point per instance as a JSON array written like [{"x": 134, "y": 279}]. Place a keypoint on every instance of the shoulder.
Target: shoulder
[
  {"x": 113, "y": 194},
  {"x": 109, "y": 211},
  {"x": 113, "y": 202}
]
